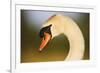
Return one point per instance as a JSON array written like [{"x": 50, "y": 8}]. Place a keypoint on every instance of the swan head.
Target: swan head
[
  {"x": 45, "y": 35},
  {"x": 49, "y": 30}
]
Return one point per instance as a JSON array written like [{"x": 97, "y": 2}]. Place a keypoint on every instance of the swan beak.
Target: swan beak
[{"x": 45, "y": 40}]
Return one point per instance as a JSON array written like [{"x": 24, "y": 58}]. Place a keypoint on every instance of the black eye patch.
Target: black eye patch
[{"x": 46, "y": 29}]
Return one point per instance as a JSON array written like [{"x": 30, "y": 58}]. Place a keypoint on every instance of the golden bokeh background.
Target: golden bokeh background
[{"x": 58, "y": 48}]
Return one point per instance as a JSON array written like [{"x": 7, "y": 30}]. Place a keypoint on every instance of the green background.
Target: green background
[{"x": 58, "y": 48}]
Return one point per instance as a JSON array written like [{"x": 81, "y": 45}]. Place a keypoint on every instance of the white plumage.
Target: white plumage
[{"x": 65, "y": 25}]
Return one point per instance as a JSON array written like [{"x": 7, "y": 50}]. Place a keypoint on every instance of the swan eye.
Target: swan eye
[{"x": 46, "y": 29}]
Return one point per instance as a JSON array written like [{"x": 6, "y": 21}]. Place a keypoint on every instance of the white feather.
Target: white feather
[{"x": 65, "y": 25}]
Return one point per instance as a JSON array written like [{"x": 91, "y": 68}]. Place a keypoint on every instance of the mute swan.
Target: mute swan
[{"x": 58, "y": 24}]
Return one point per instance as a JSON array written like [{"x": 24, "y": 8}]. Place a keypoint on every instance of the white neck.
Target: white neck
[
  {"x": 63, "y": 24},
  {"x": 76, "y": 41}
]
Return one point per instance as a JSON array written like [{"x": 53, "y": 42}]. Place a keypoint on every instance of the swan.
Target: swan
[{"x": 58, "y": 24}]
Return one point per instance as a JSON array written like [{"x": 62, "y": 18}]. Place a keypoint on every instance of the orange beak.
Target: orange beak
[{"x": 45, "y": 40}]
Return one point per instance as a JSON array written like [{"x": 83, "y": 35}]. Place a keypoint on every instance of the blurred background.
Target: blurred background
[{"x": 58, "y": 48}]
